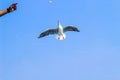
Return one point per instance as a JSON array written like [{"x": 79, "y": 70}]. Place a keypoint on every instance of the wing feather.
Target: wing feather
[
  {"x": 48, "y": 32},
  {"x": 71, "y": 28}
]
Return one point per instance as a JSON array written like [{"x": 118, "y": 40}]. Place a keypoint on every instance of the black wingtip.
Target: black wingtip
[
  {"x": 39, "y": 37},
  {"x": 78, "y": 30}
]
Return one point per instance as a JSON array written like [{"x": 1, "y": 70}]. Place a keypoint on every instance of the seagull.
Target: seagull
[{"x": 59, "y": 31}]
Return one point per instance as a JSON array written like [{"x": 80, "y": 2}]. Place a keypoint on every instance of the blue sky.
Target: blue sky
[{"x": 92, "y": 54}]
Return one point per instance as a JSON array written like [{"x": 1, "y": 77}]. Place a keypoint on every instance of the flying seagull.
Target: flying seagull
[{"x": 59, "y": 31}]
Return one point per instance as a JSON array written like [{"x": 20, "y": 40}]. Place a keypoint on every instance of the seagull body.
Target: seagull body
[{"x": 59, "y": 31}]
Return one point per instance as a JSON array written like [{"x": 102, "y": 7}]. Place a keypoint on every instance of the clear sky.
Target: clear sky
[{"x": 92, "y": 54}]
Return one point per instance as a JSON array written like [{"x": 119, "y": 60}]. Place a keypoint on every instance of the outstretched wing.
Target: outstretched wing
[
  {"x": 71, "y": 28},
  {"x": 48, "y": 32}
]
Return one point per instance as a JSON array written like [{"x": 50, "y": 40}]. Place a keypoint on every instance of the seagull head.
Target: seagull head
[{"x": 61, "y": 36}]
